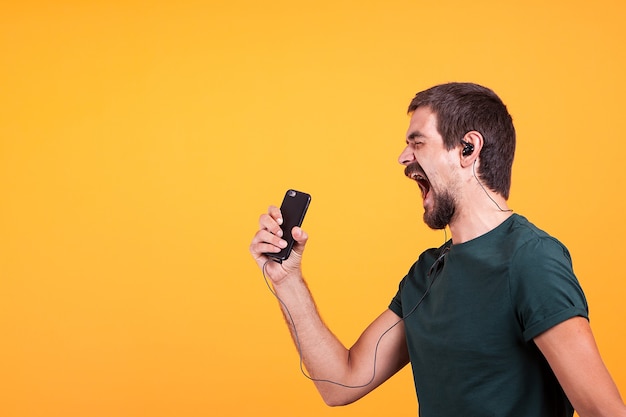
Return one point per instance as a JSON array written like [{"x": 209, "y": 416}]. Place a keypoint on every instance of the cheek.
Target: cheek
[
  {"x": 430, "y": 168},
  {"x": 443, "y": 171}
]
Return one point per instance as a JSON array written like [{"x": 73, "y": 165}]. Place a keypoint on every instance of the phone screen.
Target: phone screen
[{"x": 293, "y": 208}]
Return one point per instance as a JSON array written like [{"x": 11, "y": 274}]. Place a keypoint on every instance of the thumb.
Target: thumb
[{"x": 300, "y": 237}]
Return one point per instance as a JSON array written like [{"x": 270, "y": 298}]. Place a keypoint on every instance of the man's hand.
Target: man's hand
[{"x": 268, "y": 239}]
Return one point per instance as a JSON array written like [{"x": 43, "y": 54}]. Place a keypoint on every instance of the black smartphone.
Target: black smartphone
[{"x": 293, "y": 208}]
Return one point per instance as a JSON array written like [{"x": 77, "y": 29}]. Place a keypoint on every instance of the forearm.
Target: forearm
[{"x": 323, "y": 355}]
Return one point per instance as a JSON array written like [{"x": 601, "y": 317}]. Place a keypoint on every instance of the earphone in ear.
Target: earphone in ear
[{"x": 468, "y": 148}]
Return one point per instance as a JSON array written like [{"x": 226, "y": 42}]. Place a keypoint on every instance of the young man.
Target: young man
[{"x": 493, "y": 322}]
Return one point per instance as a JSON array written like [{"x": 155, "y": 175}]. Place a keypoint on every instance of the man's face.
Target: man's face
[{"x": 427, "y": 162}]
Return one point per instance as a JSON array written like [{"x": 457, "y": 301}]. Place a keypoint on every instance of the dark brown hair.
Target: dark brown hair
[{"x": 463, "y": 107}]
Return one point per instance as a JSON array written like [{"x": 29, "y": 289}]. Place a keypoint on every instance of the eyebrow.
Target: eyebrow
[{"x": 415, "y": 135}]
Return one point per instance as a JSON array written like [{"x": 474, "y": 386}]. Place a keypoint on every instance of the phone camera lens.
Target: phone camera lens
[{"x": 291, "y": 193}]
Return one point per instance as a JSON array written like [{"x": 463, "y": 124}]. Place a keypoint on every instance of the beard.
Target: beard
[{"x": 442, "y": 212}]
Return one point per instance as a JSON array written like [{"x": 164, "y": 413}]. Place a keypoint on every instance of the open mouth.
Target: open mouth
[{"x": 417, "y": 175}]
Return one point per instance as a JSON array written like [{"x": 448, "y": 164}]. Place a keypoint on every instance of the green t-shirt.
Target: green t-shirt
[{"x": 470, "y": 338}]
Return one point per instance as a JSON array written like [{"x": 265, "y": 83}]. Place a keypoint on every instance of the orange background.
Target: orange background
[{"x": 140, "y": 141}]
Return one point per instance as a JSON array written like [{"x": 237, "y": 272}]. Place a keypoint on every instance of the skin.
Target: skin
[{"x": 569, "y": 347}]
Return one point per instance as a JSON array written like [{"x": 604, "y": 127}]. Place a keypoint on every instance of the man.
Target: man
[{"x": 494, "y": 322}]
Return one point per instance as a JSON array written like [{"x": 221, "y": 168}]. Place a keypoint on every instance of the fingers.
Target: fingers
[
  {"x": 272, "y": 220},
  {"x": 275, "y": 213},
  {"x": 268, "y": 238},
  {"x": 266, "y": 242}
]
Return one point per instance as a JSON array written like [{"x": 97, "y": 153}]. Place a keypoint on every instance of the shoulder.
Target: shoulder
[
  {"x": 530, "y": 243},
  {"x": 537, "y": 256},
  {"x": 420, "y": 267},
  {"x": 543, "y": 286},
  {"x": 428, "y": 256},
  {"x": 533, "y": 245}
]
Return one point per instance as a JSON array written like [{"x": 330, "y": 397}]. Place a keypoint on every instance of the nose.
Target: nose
[{"x": 407, "y": 156}]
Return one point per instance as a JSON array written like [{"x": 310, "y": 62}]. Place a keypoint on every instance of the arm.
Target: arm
[
  {"x": 324, "y": 356},
  {"x": 571, "y": 351}
]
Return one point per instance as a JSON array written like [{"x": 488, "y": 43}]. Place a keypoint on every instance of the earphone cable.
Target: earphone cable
[
  {"x": 481, "y": 186},
  {"x": 297, "y": 338}
]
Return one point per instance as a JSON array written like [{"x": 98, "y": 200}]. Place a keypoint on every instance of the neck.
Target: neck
[{"x": 469, "y": 223}]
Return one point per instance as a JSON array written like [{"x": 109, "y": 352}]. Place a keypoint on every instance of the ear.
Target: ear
[{"x": 471, "y": 145}]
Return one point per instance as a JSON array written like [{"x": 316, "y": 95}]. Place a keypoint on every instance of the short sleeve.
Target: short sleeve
[
  {"x": 413, "y": 281},
  {"x": 545, "y": 291},
  {"x": 396, "y": 302}
]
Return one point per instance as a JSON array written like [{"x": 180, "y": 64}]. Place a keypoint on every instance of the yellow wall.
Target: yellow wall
[{"x": 140, "y": 140}]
